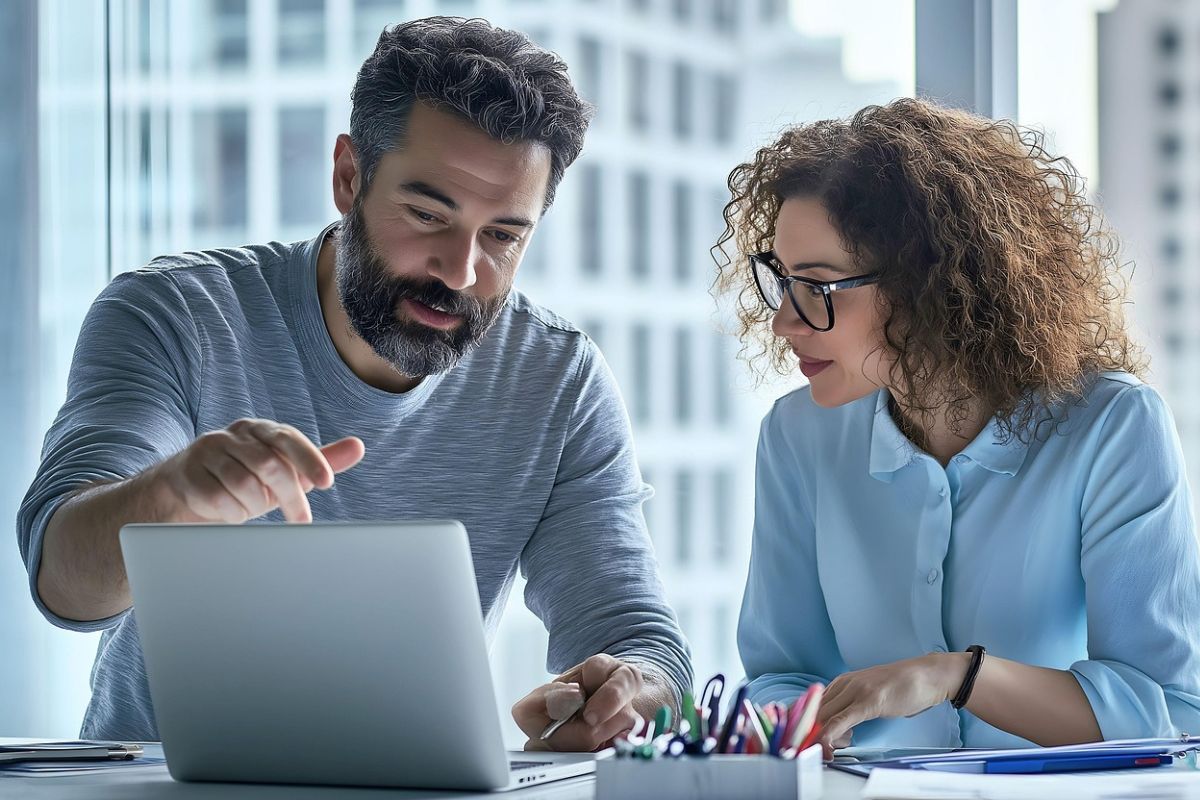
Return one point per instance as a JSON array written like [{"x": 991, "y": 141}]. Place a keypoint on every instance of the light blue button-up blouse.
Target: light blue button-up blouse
[{"x": 1076, "y": 551}]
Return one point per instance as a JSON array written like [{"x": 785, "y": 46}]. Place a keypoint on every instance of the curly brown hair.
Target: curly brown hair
[{"x": 998, "y": 281}]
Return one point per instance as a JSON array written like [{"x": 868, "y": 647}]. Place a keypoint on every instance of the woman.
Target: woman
[{"x": 974, "y": 462}]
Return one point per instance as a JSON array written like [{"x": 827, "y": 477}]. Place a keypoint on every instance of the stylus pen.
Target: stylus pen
[{"x": 558, "y": 723}]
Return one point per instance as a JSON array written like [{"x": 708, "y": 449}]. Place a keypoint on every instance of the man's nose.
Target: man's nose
[{"x": 454, "y": 263}]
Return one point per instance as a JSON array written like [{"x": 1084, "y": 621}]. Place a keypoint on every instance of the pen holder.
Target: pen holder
[{"x": 713, "y": 777}]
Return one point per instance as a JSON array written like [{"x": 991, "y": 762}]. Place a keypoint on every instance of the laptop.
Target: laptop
[{"x": 340, "y": 654}]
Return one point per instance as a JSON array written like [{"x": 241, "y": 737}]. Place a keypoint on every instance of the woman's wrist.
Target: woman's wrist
[{"x": 951, "y": 670}]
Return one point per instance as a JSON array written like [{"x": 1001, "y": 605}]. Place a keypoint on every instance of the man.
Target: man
[{"x": 391, "y": 351}]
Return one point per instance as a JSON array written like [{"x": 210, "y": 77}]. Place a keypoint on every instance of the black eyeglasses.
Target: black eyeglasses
[{"x": 812, "y": 300}]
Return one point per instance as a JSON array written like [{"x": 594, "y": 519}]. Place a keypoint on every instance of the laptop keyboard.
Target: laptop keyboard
[{"x": 528, "y": 764}]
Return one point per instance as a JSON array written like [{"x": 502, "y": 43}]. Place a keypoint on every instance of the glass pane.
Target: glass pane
[
  {"x": 301, "y": 32},
  {"x": 222, "y": 116}
]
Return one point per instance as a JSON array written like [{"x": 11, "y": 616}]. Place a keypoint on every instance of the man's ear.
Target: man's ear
[{"x": 347, "y": 180}]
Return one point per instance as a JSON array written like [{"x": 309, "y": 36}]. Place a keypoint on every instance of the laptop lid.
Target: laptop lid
[{"x": 327, "y": 653}]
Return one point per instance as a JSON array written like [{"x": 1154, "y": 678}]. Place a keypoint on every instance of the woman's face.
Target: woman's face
[{"x": 847, "y": 362}]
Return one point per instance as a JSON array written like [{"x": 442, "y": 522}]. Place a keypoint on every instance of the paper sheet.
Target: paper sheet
[{"x": 1146, "y": 784}]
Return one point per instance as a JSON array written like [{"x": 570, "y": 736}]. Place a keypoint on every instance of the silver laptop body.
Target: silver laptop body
[{"x": 347, "y": 654}]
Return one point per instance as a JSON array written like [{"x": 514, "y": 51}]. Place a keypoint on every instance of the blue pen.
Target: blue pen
[{"x": 735, "y": 711}]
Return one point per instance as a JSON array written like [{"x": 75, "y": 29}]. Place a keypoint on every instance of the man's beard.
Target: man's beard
[{"x": 371, "y": 298}]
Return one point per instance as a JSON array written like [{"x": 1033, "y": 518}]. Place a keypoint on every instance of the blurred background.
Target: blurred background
[{"x": 142, "y": 127}]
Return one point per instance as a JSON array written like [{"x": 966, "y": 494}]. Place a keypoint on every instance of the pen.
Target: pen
[
  {"x": 572, "y": 675},
  {"x": 735, "y": 710}
]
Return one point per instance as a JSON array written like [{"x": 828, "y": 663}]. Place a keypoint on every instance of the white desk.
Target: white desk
[{"x": 152, "y": 783}]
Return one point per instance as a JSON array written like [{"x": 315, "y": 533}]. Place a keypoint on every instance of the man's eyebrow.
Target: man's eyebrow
[
  {"x": 438, "y": 196},
  {"x": 424, "y": 189}
]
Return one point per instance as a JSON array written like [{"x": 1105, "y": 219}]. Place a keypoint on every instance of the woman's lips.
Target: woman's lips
[{"x": 811, "y": 367}]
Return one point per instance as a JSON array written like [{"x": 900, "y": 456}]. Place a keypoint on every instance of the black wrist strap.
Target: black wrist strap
[{"x": 964, "y": 691}]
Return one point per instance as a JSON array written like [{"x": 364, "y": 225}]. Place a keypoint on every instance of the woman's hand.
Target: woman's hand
[{"x": 900, "y": 689}]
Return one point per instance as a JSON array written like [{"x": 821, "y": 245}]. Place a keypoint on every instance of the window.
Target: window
[
  {"x": 640, "y": 226},
  {"x": 642, "y": 383},
  {"x": 684, "y": 524},
  {"x": 370, "y": 18},
  {"x": 303, "y": 173},
  {"x": 591, "y": 220},
  {"x": 681, "y": 100},
  {"x": 681, "y": 227},
  {"x": 1169, "y": 145},
  {"x": 683, "y": 376},
  {"x": 722, "y": 394},
  {"x": 224, "y": 40},
  {"x": 723, "y": 519},
  {"x": 682, "y": 10},
  {"x": 724, "y": 107},
  {"x": 725, "y": 17},
  {"x": 1168, "y": 93},
  {"x": 591, "y": 70},
  {"x": 219, "y": 170},
  {"x": 1168, "y": 41},
  {"x": 301, "y": 32},
  {"x": 1169, "y": 196},
  {"x": 638, "y": 79}
]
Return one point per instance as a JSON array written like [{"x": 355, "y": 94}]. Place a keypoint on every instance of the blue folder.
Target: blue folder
[{"x": 1116, "y": 754}]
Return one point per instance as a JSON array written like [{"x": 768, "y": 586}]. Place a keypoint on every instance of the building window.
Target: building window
[
  {"x": 683, "y": 376},
  {"x": 681, "y": 100},
  {"x": 1168, "y": 41},
  {"x": 594, "y": 328},
  {"x": 591, "y": 68},
  {"x": 1171, "y": 251},
  {"x": 638, "y": 73},
  {"x": 533, "y": 261},
  {"x": 683, "y": 517},
  {"x": 682, "y": 9},
  {"x": 722, "y": 394},
  {"x": 723, "y": 487},
  {"x": 641, "y": 374},
  {"x": 301, "y": 32},
  {"x": 228, "y": 45},
  {"x": 591, "y": 219},
  {"x": 370, "y": 18},
  {"x": 1172, "y": 296},
  {"x": 639, "y": 224},
  {"x": 724, "y": 107},
  {"x": 1169, "y": 145},
  {"x": 1168, "y": 93},
  {"x": 772, "y": 10},
  {"x": 723, "y": 634},
  {"x": 302, "y": 173},
  {"x": 681, "y": 226},
  {"x": 725, "y": 17},
  {"x": 220, "y": 169},
  {"x": 1169, "y": 196}
]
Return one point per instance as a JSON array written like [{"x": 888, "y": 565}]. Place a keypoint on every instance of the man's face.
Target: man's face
[{"x": 427, "y": 255}]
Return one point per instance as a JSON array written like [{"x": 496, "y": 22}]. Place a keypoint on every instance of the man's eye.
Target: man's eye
[
  {"x": 504, "y": 237},
  {"x": 424, "y": 216}
]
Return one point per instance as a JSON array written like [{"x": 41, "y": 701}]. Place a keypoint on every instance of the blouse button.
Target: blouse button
[
  {"x": 932, "y": 577},
  {"x": 942, "y": 492}
]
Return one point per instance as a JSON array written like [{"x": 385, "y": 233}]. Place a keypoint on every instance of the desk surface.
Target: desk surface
[{"x": 152, "y": 782}]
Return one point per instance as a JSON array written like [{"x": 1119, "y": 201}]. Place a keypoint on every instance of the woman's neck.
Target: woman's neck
[{"x": 936, "y": 434}]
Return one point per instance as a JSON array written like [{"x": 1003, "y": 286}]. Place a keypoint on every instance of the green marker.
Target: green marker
[
  {"x": 662, "y": 720},
  {"x": 689, "y": 714}
]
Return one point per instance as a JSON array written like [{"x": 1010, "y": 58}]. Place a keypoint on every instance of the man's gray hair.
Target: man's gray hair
[{"x": 497, "y": 79}]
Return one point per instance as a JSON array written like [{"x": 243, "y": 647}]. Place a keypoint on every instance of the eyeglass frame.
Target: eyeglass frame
[{"x": 768, "y": 259}]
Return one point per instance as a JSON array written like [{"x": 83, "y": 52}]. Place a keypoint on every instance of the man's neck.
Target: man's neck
[{"x": 356, "y": 353}]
